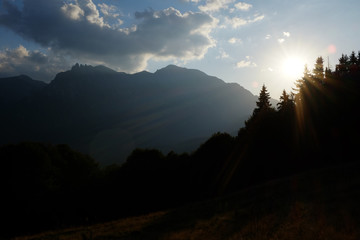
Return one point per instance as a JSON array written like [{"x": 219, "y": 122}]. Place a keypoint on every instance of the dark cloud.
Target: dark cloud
[{"x": 76, "y": 29}]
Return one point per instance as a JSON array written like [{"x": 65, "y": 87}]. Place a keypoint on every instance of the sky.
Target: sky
[{"x": 252, "y": 42}]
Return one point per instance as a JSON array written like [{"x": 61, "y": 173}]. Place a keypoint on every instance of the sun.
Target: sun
[{"x": 293, "y": 67}]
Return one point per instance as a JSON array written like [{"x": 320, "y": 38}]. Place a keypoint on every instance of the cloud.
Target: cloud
[
  {"x": 246, "y": 63},
  {"x": 234, "y": 40},
  {"x": 243, "y": 6},
  {"x": 109, "y": 10},
  {"x": 73, "y": 11},
  {"x": 215, "y": 5},
  {"x": 90, "y": 12},
  {"x": 236, "y": 22},
  {"x": 195, "y": 1},
  {"x": 268, "y": 36},
  {"x": 282, "y": 40},
  {"x": 257, "y": 18},
  {"x": 223, "y": 54},
  {"x": 78, "y": 30},
  {"x": 36, "y": 64},
  {"x": 286, "y": 34}
]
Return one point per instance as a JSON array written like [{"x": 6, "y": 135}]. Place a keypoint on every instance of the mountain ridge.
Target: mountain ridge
[
  {"x": 103, "y": 112},
  {"x": 14, "y": 89}
]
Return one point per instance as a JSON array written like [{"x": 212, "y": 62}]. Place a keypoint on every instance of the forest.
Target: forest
[{"x": 316, "y": 125}]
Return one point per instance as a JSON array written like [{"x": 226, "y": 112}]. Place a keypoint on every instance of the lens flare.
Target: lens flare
[{"x": 331, "y": 49}]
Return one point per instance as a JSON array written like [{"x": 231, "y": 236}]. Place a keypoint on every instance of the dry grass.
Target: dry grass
[{"x": 321, "y": 205}]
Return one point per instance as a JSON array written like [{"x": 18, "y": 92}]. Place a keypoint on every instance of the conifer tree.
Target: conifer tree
[
  {"x": 352, "y": 59},
  {"x": 344, "y": 59},
  {"x": 343, "y": 64},
  {"x": 307, "y": 74},
  {"x": 319, "y": 70},
  {"x": 263, "y": 102},
  {"x": 301, "y": 83},
  {"x": 286, "y": 102},
  {"x": 328, "y": 73}
]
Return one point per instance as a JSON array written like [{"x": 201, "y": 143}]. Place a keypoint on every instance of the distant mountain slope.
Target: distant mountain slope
[
  {"x": 13, "y": 89},
  {"x": 107, "y": 114}
]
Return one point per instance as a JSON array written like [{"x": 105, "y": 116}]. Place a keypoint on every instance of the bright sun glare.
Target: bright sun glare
[{"x": 293, "y": 67}]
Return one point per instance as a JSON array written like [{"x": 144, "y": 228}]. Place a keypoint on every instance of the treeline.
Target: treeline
[{"x": 317, "y": 124}]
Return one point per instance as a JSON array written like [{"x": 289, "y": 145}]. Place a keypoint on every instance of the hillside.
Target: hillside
[
  {"x": 314, "y": 133},
  {"x": 14, "y": 89},
  {"x": 107, "y": 114},
  {"x": 319, "y": 204}
]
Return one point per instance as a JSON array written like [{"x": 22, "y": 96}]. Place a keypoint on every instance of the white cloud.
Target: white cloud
[
  {"x": 257, "y": 18},
  {"x": 215, "y": 5},
  {"x": 222, "y": 55},
  {"x": 286, "y": 34},
  {"x": 72, "y": 11},
  {"x": 194, "y": 1},
  {"x": 20, "y": 52},
  {"x": 268, "y": 36},
  {"x": 78, "y": 31},
  {"x": 81, "y": 8},
  {"x": 236, "y": 22},
  {"x": 119, "y": 22},
  {"x": 243, "y": 6},
  {"x": 246, "y": 63},
  {"x": 234, "y": 40},
  {"x": 91, "y": 12},
  {"x": 109, "y": 10}
]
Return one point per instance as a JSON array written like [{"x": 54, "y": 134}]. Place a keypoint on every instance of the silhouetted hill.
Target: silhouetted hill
[
  {"x": 14, "y": 89},
  {"x": 319, "y": 204},
  {"x": 108, "y": 114}
]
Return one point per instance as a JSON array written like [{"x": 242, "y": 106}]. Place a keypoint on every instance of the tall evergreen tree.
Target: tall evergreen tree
[
  {"x": 353, "y": 61},
  {"x": 286, "y": 102},
  {"x": 343, "y": 64},
  {"x": 319, "y": 70},
  {"x": 344, "y": 59},
  {"x": 328, "y": 73},
  {"x": 301, "y": 83},
  {"x": 353, "y": 58},
  {"x": 263, "y": 102}
]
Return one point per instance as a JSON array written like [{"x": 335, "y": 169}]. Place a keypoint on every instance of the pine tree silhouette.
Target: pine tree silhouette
[
  {"x": 286, "y": 102},
  {"x": 319, "y": 71},
  {"x": 263, "y": 102}
]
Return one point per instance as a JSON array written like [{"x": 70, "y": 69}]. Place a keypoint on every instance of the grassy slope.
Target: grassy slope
[{"x": 321, "y": 204}]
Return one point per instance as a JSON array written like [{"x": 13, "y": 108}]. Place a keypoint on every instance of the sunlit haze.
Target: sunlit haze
[
  {"x": 248, "y": 42},
  {"x": 293, "y": 67}
]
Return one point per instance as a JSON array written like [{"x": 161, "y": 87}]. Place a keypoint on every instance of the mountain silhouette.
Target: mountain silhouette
[
  {"x": 107, "y": 113},
  {"x": 14, "y": 89}
]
